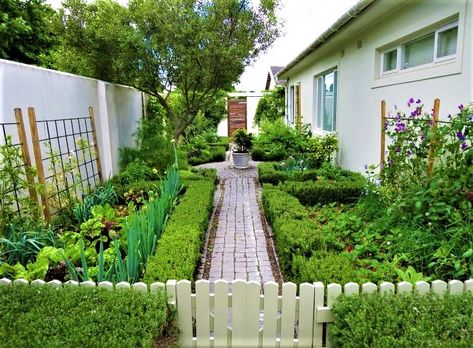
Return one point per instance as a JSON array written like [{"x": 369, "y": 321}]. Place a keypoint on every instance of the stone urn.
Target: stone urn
[
  {"x": 241, "y": 160},
  {"x": 242, "y": 143}
]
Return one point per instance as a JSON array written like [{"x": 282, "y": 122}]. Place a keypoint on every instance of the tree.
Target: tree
[
  {"x": 192, "y": 47},
  {"x": 271, "y": 106},
  {"x": 26, "y": 31}
]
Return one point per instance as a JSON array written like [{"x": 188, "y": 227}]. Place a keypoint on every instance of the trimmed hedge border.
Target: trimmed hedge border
[
  {"x": 403, "y": 321},
  {"x": 179, "y": 249},
  {"x": 42, "y": 316}
]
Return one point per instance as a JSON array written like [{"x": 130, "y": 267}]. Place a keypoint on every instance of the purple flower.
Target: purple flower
[
  {"x": 418, "y": 101},
  {"x": 366, "y": 167},
  {"x": 386, "y": 125},
  {"x": 449, "y": 116},
  {"x": 400, "y": 127},
  {"x": 461, "y": 107},
  {"x": 470, "y": 118},
  {"x": 409, "y": 153},
  {"x": 422, "y": 136},
  {"x": 464, "y": 146},
  {"x": 411, "y": 100},
  {"x": 460, "y": 136},
  {"x": 398, "y": 116},
  {"x": 398, "y": 149}
]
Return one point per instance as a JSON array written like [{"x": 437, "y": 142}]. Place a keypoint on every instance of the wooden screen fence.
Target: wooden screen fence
[
  {"x": 66, "y": 157},
  {"x": 250, "y": 314}
]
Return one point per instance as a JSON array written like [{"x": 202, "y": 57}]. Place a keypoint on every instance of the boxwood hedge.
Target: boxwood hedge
[
  {"x": 179, "y": 249},
  {"x": 40, "y": 316}
]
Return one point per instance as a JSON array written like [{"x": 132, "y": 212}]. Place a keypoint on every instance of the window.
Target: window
[
  {"x": 290, "y": 116},
  {"x": 438, "y": 45},
  {"x": 327, "y": 101}
]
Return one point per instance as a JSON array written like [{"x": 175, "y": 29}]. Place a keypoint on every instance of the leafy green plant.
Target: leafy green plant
[
  {"x": 100, "y": 196},
  {"x": 271, "y": 106},
  {"x": 320, "y": 149},
  {"x": 243, "y": 140},
  {"x": 125, "y": 318}
]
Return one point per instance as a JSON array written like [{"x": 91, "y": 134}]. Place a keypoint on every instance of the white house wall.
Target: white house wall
[
  {"x": 56, "y": 95},
  {"x": 360, "y": 90}
]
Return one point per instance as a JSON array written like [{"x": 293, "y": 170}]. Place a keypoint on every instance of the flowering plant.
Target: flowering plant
[{"x": 444, "y": 194}]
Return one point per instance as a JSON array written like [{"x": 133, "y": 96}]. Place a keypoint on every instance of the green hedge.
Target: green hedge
[
  {"x": 310, "y": 193},
  {"x": 403, "y": 321},
  {"x": 269, "y": 174},
  {"x": 33, "y": 316},
  {"x": 179, "y": 249},
  {"x": 215, "y": 153}
]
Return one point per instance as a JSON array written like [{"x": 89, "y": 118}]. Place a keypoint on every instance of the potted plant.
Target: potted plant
[{"x": 242, "y": 143}]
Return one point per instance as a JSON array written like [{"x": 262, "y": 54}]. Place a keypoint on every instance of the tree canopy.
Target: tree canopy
[
  {"x": 271, "y": 106},
  {"x": 26, "y": 31},
  {"x": 192, "y": 47}
]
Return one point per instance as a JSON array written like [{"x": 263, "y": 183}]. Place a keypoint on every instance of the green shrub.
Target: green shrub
[
  {"x": 276, "y": 141},
  {"x": 180, "y": 246},
  {"x": 277, "y": 203},
  {"x": 82, "y": 317},
  {"x": 268, "y": 173},
  {"x": 310, "y": 193},
  {"x": 271, "y": 106},
  {"x": 135, "y": 171},
  {"x": 325, "y": 267},
  {"x": 320, "y": 149},
  {"x": 403, "y": 321}
]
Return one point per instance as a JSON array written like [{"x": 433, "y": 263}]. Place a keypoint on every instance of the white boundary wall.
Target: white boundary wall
[{"x": 56, "y": 95}]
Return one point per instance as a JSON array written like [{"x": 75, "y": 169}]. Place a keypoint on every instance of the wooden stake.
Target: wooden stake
[
  {"x": 39, "y": 162},
  {"x": 26, "y": 153},
  {"x": 383, "y": 131},
  {"x": 96, "y": 145},
  {"x": 433, "y": 141}
]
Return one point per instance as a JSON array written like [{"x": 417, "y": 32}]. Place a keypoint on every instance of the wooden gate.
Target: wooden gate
[{"x": 236, "y": 114}]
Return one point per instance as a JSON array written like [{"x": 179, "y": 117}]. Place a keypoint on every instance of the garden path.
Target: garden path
[{"x": 238, "y": 243}]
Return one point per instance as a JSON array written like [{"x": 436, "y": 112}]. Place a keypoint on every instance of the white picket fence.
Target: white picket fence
[{"x": 248, "y": 314}]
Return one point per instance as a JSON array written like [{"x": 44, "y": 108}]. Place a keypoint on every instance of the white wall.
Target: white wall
[
  {"x": 360, "y": 89},
  {"x": 56, "y": 95}
]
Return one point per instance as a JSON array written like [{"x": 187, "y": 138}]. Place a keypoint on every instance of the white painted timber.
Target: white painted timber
[
  {"x": 368, "y": 288},
  {"x": 221, "y": 313},
  {"x": 288, "y": 314},
  {"x": 270, "y": 304},
  {"x": 306, "y": 315},
  {"x": 184, "y": 312},
  {"x": 202, "y": 313}
]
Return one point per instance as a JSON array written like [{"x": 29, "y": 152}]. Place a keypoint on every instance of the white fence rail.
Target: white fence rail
[{"x": 248, "y": 314}]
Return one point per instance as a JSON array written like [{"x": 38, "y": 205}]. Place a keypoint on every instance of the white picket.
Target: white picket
[
  {"x": 20, "y": 282},
  {"x": 238, "y": 313},
  {"x": 171, "y": 291},
  {"x": 38, "y": 282},
  {"x": 455, "y": 287},
  {"x": 55, "y": 284},
  {"x": 106, "y": 285},
  {"x": 252, "y": 310},
  {"x": 72, "y": 284},
  {"x": 140, "y": 287},
  {"x": 351, "y": 289},
  {"x": 404, "y": 288},
  {"x": 306, "y": 315},
  {"x": 221, "y": 313},
  {"x": 469, "y": 285},
  {"x": 5, "y": 282},
  {"x": 270, "y": 314},
  {"x": 122, "y": 285},
  {"x": 157, "y": 287},
  {"x": 184, "y": 312},
  {"x": 88, "y": 284},
  {"x": 386, "y": 288},
  {"x": 368, "y": 288},
  {"x": 202, "y": 313},
  {"x": 439, "y": 287},
  {"x": 319, "y": 296},
  {"x": 288, "y": 314},
  {"x": 333, "y": 291},
  {"x": 422, "y": 287}
]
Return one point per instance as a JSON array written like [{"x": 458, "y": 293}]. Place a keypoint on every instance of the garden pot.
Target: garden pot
[{"x": 240, "y": 160}]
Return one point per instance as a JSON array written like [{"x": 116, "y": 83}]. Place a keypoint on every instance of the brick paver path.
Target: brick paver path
[{"x": 238, "y": 245}]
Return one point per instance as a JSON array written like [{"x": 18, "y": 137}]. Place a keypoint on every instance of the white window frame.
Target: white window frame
[
  {"x": 400, "y": 48},
  {"x": 436, "y": 42},
  {"x": 318, "y": 107}
]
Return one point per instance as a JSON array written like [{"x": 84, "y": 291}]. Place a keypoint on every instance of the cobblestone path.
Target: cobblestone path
[{"x": 238, "y": 243}]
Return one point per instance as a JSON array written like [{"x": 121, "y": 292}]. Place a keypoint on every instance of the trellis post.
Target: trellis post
[
  {"x": 383, "y": 132},
  {"x": 39, "y": 163},
  {"x": 433, "y": 140},
  {"x": 96, "y": 145},
  {"x": 25, "y": 153}
]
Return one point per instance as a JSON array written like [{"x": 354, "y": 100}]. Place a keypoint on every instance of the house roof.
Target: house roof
[
  {"x": 344, "y": 20},
  {"x": 273, "y": 70}
]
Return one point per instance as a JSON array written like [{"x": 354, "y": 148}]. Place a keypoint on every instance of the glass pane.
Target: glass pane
[
  {"x": 320, "y": 93},
  {"x": 390, "y": 61},
  {"x": 329, "y": 101},
  {"x": 447, "y": 42},
  {"x": 418, "y": 52}
]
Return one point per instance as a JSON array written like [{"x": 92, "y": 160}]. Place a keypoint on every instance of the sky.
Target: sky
[{"x": 304, "y": 21}]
